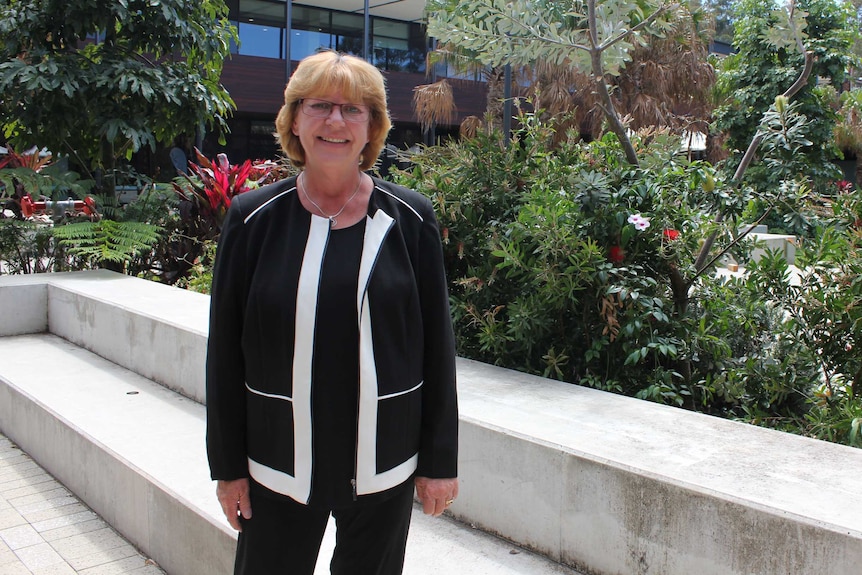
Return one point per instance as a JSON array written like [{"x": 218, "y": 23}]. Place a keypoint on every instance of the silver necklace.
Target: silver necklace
[{"x": 332, "y": 220}]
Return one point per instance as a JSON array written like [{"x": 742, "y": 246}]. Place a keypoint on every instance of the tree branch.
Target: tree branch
[
  {"x": 637, "y": 28},
  {"x": 700, "y": 262},
  {"x": 599, "y": 78}
]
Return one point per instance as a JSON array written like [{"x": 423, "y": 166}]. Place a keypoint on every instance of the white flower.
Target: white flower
[{"x": 640, "y": 222}]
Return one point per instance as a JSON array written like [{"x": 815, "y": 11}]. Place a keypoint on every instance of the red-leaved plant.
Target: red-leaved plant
[{"x": 213, "y": 184}]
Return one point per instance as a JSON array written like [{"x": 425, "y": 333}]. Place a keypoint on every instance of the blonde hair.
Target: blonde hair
[{"x": 357, "y": 80}]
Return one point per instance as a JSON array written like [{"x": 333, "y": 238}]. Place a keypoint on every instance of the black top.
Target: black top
[{"x": 335, "y": 375}]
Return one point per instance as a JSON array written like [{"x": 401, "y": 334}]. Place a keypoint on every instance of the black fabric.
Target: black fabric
[
  {"x": 335, "y": 376},
  {"x": 283, "y": 537}
]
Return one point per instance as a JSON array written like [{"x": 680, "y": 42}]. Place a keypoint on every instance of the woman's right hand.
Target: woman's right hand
[{"x": 235, "y": 501}]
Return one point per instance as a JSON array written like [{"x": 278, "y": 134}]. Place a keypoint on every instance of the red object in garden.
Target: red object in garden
[
  {"x": 670, "y": 234},
  {"x": 29, "y": 207},
  {"x": 616, "y": 254}
]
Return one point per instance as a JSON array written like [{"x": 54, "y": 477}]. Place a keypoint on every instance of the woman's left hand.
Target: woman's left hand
[{"x": 436, "y": 494}]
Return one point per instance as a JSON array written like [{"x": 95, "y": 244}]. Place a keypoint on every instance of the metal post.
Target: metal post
[
  {"x": 288, "y": 26},
  {"x": 507, "y": 104},
  {"x": 431, "y": 137},
  {"x": 366, "y": 34}
]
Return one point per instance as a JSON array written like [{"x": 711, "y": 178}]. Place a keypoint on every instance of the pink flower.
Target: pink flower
[{"x": 640, "y": 222}]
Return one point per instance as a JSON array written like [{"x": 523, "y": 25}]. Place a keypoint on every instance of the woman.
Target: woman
[{"x": 330, "y": 364}]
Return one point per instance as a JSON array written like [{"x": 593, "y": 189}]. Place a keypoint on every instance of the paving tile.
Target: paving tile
[
  {"x": 148, "y": 570},
  {"x": 42, "y": 496},
  {"x": 10, "y": 518},
  {"x": 59, "y": 532},
  {"x": 44, "y": 504},
  {"x": 7, "y": 556},
  {"x": 58, "y": 569},
  {"x": 16, "y": 568},
  {"x": 28, "y": 485},
  {"x": 13, "y": 458},
  {"x": 54, "y": 512},
  {"x": 64, "y": 521},
  {"x": 88, "y": 543},
  {"x": 39, "y": 556},
  {"x": 27, "y": 468},
  {"x": 134, "y": 564},
  {"x": 20, "y": 536},
  {"x": 102, "y": 557}
]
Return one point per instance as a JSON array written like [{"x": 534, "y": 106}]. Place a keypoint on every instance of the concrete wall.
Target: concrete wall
[{"x": 607, "y": 484}]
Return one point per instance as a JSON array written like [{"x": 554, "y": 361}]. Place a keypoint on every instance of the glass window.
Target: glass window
[
  {"x": 347, "y": 24},
  {"x": 306, "y": 42},
  {"x": 391, "y": 29},
  {"x": 310, "y": 33},
  {"x": 260, "y": 25},
  {"x": 305, "y": 18},
  {"x": 259, "y": 40},
  {"x": 348, "y": 32},
  {"x": 261, "y": 11},
  {"x": 396, "y": 47}
]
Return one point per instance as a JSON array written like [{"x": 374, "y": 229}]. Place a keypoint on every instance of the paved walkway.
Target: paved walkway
[{"x": 45, "y": 530}]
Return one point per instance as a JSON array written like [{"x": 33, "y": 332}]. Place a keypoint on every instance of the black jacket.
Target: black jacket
[{"x": 259, "y": 355}]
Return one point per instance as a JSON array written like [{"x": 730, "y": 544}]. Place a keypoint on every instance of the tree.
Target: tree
[
  {"x": 722, "y": 14},
  {"x": 767, "y": 61},
  {"x": 99, "y": 79},
  {"x": 848, "y": 129},
  {"x": 605, "y": 59}
]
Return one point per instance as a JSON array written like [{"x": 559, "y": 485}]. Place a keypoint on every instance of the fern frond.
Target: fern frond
[{"x": 107, "y": 240}]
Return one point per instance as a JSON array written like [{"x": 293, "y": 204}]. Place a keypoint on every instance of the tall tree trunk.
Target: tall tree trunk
[
  {"x": 496, "y": 94},
  {"x": 109, "y": 164}
]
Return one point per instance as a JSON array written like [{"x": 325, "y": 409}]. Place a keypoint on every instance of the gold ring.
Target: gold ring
[{"x": 450, "y": 501}]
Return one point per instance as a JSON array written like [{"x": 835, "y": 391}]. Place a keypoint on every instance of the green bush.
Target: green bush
[{"x": 570, "y": 263}]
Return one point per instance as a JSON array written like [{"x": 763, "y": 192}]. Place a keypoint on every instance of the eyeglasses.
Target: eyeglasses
[{"x": 322, "y": 109}]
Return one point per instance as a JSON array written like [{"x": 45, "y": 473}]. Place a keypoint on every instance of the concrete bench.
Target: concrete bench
[{"x": 603, "y": 483}]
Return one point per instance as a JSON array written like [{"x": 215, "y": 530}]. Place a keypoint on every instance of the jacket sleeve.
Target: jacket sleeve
[
  {"x": 438, "y": 452},
  {"x": 225, "y": 364}
]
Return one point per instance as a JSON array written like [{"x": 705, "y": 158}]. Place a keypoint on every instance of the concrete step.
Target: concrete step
[{"x": 133, "y": 451}]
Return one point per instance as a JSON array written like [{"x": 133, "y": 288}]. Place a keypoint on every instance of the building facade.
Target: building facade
[{"x": 389, "y": 34}]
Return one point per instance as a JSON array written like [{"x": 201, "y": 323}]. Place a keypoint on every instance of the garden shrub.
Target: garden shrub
[{"x": 570, "y": 263}]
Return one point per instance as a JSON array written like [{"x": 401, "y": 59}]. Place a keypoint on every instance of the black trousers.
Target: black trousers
[{"x": 283, "y": 537}]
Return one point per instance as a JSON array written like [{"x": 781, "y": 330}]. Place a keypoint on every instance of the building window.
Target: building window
[
  {"x": 348, "y": 33},
  {"x": 396, "y": 46},
  {"x": 260, "y": 40},
  {"x": 261, "y": 26}
]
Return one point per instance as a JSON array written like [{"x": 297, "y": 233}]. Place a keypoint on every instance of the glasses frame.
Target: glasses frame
[{"x": 309, "y": 111}]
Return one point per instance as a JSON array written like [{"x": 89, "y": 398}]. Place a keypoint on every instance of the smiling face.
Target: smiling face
[
  {"x": 330, "y": 141},
  {"x": 326, "y": 75}
]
